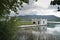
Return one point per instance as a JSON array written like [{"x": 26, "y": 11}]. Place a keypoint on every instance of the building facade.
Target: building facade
[{"x": 41, "y": 23}]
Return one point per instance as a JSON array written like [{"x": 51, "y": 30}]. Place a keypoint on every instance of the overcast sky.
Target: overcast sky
[{"x": 41, "y": 7}]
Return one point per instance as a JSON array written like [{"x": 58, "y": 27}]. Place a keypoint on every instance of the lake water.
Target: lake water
[{"x": 52, "y": 33}]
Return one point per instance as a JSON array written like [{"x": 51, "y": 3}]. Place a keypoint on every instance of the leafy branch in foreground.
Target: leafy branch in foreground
[
  {"x": 56, "y": 2},
  {"x": 8, "y": 25}
]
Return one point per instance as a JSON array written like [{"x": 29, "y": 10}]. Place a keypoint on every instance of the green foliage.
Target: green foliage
[
  {"x": 26, "y": 1},
  {"x": 53, "y": 3},
  {"x": 7, "y": 5},
  {"x": 24, "y": 23},
  {"x": 56, "y": 2},
  {"x": 8, "y": 29}
]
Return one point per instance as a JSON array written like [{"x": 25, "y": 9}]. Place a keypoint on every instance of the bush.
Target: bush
[{"x": 8, "y": 29}]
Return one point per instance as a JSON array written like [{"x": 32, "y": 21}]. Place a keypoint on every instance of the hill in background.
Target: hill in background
[{"x": 30, "y": 17}]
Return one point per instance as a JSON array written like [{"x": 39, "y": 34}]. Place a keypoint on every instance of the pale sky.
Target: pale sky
[{"x": 41, "y": 7}]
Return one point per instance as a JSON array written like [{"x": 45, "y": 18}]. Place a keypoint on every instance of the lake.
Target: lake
[
  {"x": 55, "y": 31},
  {"x": 52, "y": 33}
]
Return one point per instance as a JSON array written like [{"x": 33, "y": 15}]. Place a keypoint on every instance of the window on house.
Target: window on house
[
  {"x": 43, "y": 22},
  {"x": 38, "y": 22},
  {"x": 34, "y": 22}
]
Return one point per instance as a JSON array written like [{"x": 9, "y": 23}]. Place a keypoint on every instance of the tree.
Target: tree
[
  {"x": 8, "y": 29},
  {"x": 7, "y": 23},
  {"x": 7, "y": 5},
  {"x": 8, "y": 26},
  {"x": 56, "y": 2}
]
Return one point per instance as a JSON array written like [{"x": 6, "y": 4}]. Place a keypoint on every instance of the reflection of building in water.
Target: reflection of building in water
[{"x": 41, "y": 23}]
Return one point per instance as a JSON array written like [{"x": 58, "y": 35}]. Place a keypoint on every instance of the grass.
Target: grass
[{"x": 24, "y": 23}]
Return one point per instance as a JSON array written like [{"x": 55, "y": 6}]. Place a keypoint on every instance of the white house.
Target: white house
[{"x": 41, "y": 23}]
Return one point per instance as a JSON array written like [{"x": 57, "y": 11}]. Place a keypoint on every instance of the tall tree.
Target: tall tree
[{"x": 8, "y": 24}]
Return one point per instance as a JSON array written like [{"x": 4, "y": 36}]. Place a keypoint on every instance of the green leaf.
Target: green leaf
[{"x": 26, "y": 1}]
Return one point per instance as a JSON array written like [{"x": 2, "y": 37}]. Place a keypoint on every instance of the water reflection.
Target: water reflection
[
  {"x": 55, "y": 31},
  {"x": 50, "y": 34}
]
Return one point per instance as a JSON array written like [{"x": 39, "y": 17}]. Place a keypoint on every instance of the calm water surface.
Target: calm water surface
[{"x": 52, "y": 33}]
